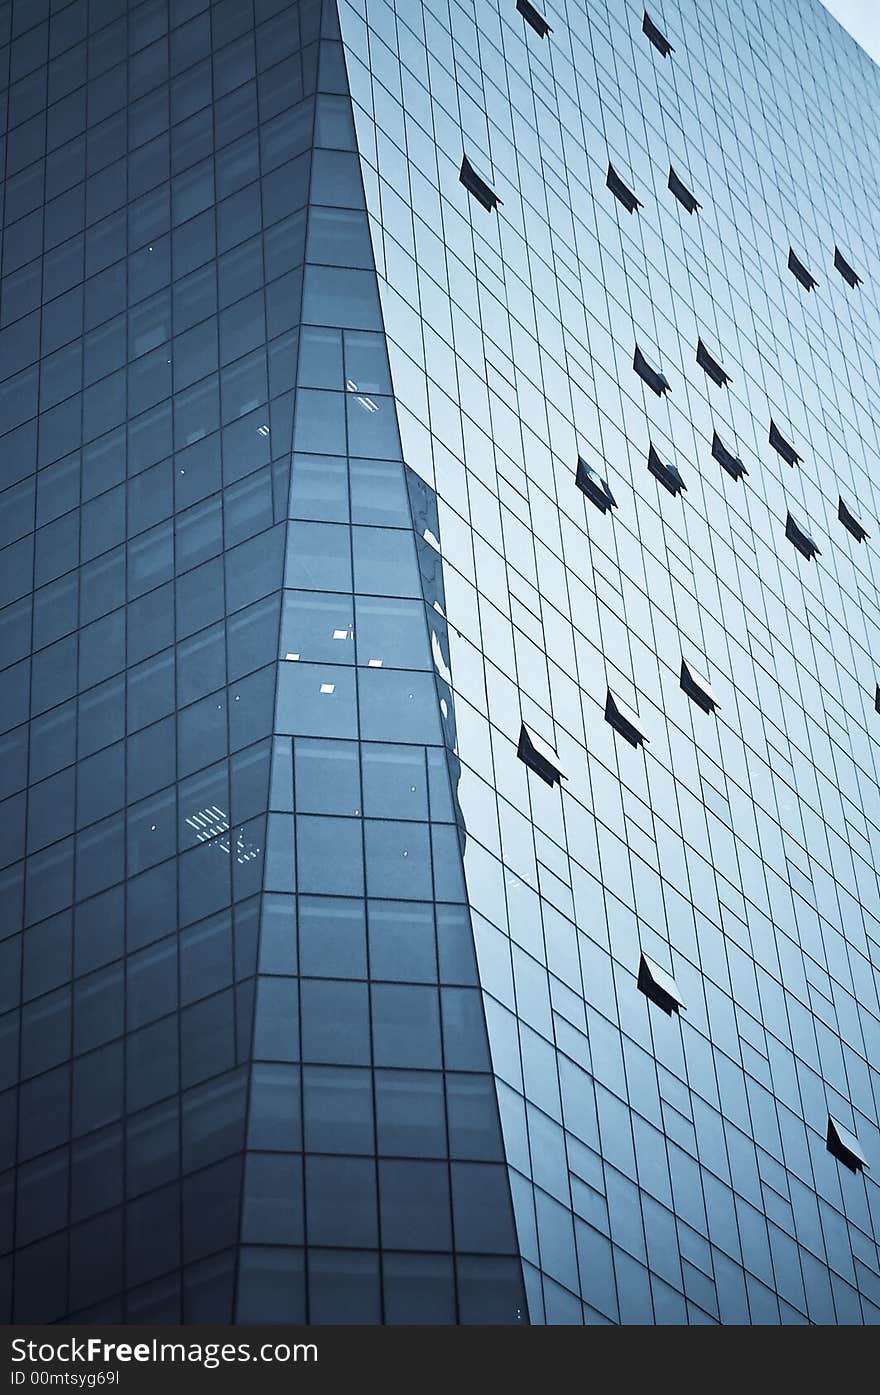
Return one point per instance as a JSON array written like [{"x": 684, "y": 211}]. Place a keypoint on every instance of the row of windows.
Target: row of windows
[
  {"x": 166, "y": 969},
  {"x": 270, "y": 1143},
  {"x": 82, "y": 567},
  {"x": 537, "y": 21},
  {"x": 279, "y": 1177},
  {"x": 329, "y": 1021},
  {"x": 87, "y": 283},
  {"x": 278, "y": 1087},
  {"x": 201, "y": 967},
  {"x": 99, "y": 392},
  {"x": 274, "y": 1284},
  {"x": 541, "y": 757},
  {"x": 809, "y": 282},
  {"x": 192, "y": 197},
  {"x": 339, "y": 1202},
  {"x": 688, "y": 200},
  {"x": 391, "y": 1113},
  {"x": 596, "y": 489},
  {"x": 399, "y": 1028},
  {"x": 394, "y": 787},
  {"x": 133, "y": 175},
  {"x": 107, "y": 75}
]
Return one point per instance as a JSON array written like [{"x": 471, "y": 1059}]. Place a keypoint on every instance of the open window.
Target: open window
[
  {"x": 698, "y": 688},
  {"x": 477, "y": 186},
  {"x": 622, "y": 191},
  {"x": 668, "y": 475},
  {"x": 534, "y": 18},
  {"x": 799, "y": 271},
  {"x": 624, "y": 720},
  {"x": 657, "y": 37},
  {"x": 726, "y": 458},
  {"x": 802, "y": 541},
  {"x": 591, "y": 483},
  {"x": 845, "y": 1146},
  {"x": 539, "y": 756},
  {"x": 682, "y": 192},
  {"x": 652, "y": 376},
  {"x": 711, "y": 366},
  {"x": 850, "y": 522},
  {"x": 659, "y": 986},
  {"x": 842, "y": 265},
  {"x": 785, "y": 449}
]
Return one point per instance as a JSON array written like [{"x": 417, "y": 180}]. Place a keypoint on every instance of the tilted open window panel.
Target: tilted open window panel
[
  {"x": 624, "y": 720},
  {"x": 591, "y": 483},
  {"x": 682, "y": 192},
  {"x": 785, "y": 448},
  {"x": 711, "y": 366},
  {"x": 622, "y": 191},
  {"x": 657, "y": 37},
  {"x": 539, "y": 756},
  {"x": 698, "y": 688},
  {"x": 802, "y": 541},
  {"x": 667, "y": 475},
  {"x": 842, "y": 265},
  {"x": 799, "y": 271},
  {"x": 726, "y": 458},
  {"x": 481, "y": 191},
  {"x": 850, "y": 522},
  {"x": 659, "y": 986},
  {"x": 845, "y": 1146},
  {"x": 656, "y": 380},
  {"x": 534, "y": 18}
]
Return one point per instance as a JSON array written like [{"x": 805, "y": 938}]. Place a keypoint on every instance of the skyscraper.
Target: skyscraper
[{"x": 440, "y": 640}]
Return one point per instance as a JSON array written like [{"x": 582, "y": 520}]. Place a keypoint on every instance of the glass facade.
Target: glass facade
[{"x": 438, "y": 695}]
